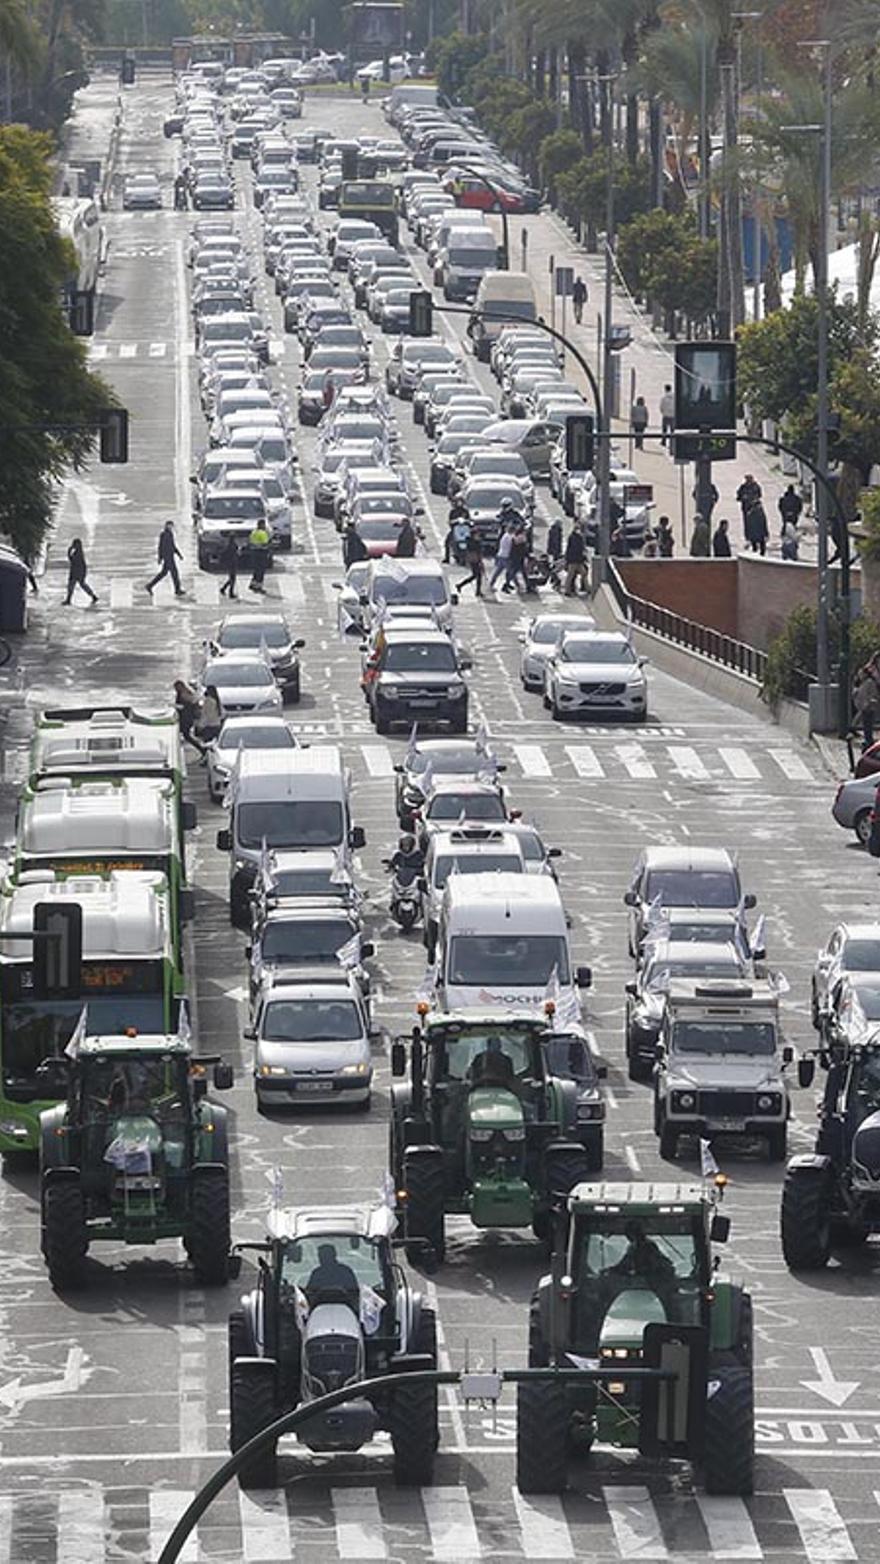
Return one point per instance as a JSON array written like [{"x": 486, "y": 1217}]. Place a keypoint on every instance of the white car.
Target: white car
[
  {"x": 236, "y": 734},
  {"x": 311, "y": 1043},
  {"x": 540, "y": 640},
  {"x": 853, "y": 947},
  {"x": 594, "y": 672},
  {"x": 244, "y": 682}
]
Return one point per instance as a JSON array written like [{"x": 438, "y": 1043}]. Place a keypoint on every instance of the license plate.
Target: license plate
[
  {"x": 422, "y": 705},
  {"x": 725, "y": 1124},
  {"x": 309, "y": 1086}
]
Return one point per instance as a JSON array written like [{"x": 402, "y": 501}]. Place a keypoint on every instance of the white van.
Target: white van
[
  {"x": 464, "y": 258},
  {"x": 282, "y": 798},
  {"x": 502, "y": 943},
  {"x": 501, "y": 296},
  {"x": 418, "y": 583}
]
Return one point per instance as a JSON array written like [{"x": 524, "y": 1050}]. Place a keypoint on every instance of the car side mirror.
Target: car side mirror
[
  {"x": 788, "y": 1054},
  {"x": 631, "y": 989},
  {"x": 224, "y": 840},
  {"x": 398, "y": 1058},
  {"x": 249, "y": 1033},
  {"x": 367, "y": 949},
  {"x": 602, "y": 1071},
  {"x": 298, "y": 645},
  {"x": 357, "y": 837},
  {"x": 584, "y": 977},
  {"x": 453, "y": 598},
  {"x": 224, "y": 1077},
  {"x": 630, "y": 899},
  {"x": 806, "y": 1072},
  {"x": 188, "y": 815},
  {"x": 465, "y": 662},
  {"x": 719, "y": 1230},
  {"x": 248, "y": 951},
  {"x": 750, "y": 901},
  {"x": 398, "y": 769},
  {"x": 186, "y": 905}
]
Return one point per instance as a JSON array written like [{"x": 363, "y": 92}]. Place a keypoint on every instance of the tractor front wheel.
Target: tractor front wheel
[
  {"x": 423, "y": 1180},
  {"x": 65, "y": 1239},
  {"x": 541, "y": 1436},
  {"x": 210, "y": 1237},
  {"x": 252, "y": 1408},
  {"x": 805, "y": 1219},
  {"x": 729, "y": 1438},
  {"x": 237, "y": 1339}
]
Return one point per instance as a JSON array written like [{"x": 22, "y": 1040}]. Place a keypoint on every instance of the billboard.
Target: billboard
[{"x": 376, "y": 27}]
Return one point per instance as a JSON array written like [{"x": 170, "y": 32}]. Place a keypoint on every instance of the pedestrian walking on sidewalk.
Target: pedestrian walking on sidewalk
[
  {"x": 167, "y": 554},
  {"x": 756, "y": 527},
  {"x": 700, "y": 539},
  {"x": 748, "y": 491},
  {"x": 77, "y": 570},
  {"x": 721, "y": 540},
  {"x": 667, "y": 413},
  {"x": 665, "y": 539},
  {"x": 575, "y": 562},
  {"x": 866, "y": 697},
  {"x": 579, "y": 298},
  {"x": 229, "y": 560},
  {"x": 638, "y": 421},
  {"x": 790, "y": 506}
]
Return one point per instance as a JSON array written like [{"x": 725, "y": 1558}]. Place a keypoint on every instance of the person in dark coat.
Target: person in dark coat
[
  {"x": 790, "y": 506},
  {"x": 229, "y": 562},
  {"x": 353, "y": 546},
  {"x": 721, "y": 540},
  {"x": 700, "y": 539},
  {"x": 519, "y": 549},
  {"x": 554, "y": 540},
  {"x": 665, "y": 539},
  {"x": 575, "y": 562},
  {"x": 756, "y": 528},
  {"x": 406, "y": 540},
  {"x": 77, "y": 570},
  {"x": 167, "y": 554},
  {"x": 473, "y": 558},
  {"x": 748, "y": 492}
]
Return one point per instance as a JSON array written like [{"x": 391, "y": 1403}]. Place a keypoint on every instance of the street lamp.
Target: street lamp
[
  {"x": 607, "y": 349},
  {"x": 740, "y": 17}
]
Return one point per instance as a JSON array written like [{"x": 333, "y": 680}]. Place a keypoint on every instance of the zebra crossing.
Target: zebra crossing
[
  {"x": 99, "y": 351},
  {"x": 447, "y": 1523}
]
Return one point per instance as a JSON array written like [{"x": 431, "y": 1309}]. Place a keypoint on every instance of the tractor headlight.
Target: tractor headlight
[
  {"x": 481, "y": 1135},
  {"x": 517, "y": 1134}
]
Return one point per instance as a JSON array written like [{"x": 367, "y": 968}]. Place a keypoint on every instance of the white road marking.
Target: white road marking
[
  {"x": 81, "y": 1527},
  {"x": 687, "y": 763},
  {"x": 821, "y": 1526},
  {"x": 377, "y": 760},
  {"x": 5, "y": 1527},
  {"x": 128, "y": 350},
  {"x": 121, "y": 593},
  {"x": 739, "y": 764},
  {"x": 265, "y": 1533},
  {"x": 166, "y": 1507},
  {"x": 635, "y": 761},
  {"x": 545, "y": 1533},
  {"x": 158, "y": 349},
  {"x": 729, "y": 1526},
  {"x": 206, "y": 589},
  {"x": 791, "y": 765},
  {"x": 358, "y": 1523},
  {"x": 635, "y": 1522},
  {"x": 585, "y": 760},
  {"x": 98, "y": 350},
  {"x": 290, "y": 588},
  {"x": 451, "y": 1524},
  {"x": 532, "y": 760},
  {"x": 632, "y": 1160}
]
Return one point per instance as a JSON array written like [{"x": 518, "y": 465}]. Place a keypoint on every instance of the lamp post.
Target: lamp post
[
  {"x": 607, "y": 351},
  {"x": 740, "y": 17}
]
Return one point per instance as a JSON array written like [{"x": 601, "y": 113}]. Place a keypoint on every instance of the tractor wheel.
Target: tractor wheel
[
  {"x": 595, "y": 1150},
  {"x": 564, "y": 1168},
  {"x": 209, "y": 1238},
  {"x": 729, "y": 1437},
  {"x": 252, "y": 1408},
  {"x": 238, "y": 1340},
  {"x": 65, "y": 1240},
  {"x": 804, "y": 1220},
  {"x": 539, "y": 1351},
  {"x": 423, "y": 1181},
  {"x": 541, "y": 1436},
  {"x": 414, "y": 1434},
  {"x": 744, "y": 1349},
  {"x": 668, "y": 1139},
  {"x": 425, "y": 1344},
  {"x": 777, "y": 1143}
]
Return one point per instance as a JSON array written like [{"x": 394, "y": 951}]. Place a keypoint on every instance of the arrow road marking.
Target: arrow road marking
[
  {"x": 15, "y": 1393},
  {"x": 837, "y": 1391}
]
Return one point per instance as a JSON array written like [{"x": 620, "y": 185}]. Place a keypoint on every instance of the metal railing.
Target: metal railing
[{"x": 719, "y": 648}]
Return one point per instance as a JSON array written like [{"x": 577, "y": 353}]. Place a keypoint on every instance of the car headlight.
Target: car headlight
[
  {"x": 455, "y": 690},
  {"x": 769, "y": 1102},
  {"x": 684, "y": 1102},
  {"x": 272, "y": 1069},
  {"x": 388, "y": 693},
  {"x": 354, "y": 1069},
  {"x": 591, "y": 1110}
]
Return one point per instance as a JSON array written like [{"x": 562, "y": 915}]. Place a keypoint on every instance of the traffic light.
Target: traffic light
[
  {"x": 579, "y": 443},
  {"x": 82, "y": 312},
  {"x": 58, "y": 952},
  {"x": 421, "y": 313},
  {"x": 128, "y": 71},
  {"x": 113, "y": 426}
]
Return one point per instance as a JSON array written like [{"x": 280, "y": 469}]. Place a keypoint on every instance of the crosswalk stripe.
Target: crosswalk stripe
[
  {"x": 158, "y": 349},
  {"x": 545, "y": 1533},
  {"x": 264, "y": 1528},
  {"x": 634, "y": 759},
  {"x": 451, "y": 1524},
  {"x": 821, "y": 1526},
  {"x": 81, "y": 1527},
  {"x": 635, "y": 1522},
  {"x": 585, "y": 760},
  {"x": 206, "y": 590},
  {"x": 377, "y": 760},
  {"x": 121, "y": 594},
  {"x": 729, "y": 1527},
  {"x": 532, "y": 761},
  {"x": 166, "y": 1507},
  {"x": 739, "y": 764},
  {"x": 5, "y": 1528},
  {"x": 687, "y": 763},
  {"x": 290, "y": 588},
  {"x": 98, "y": 350},
  {"x": 128, "y": 349},
  {"x": 358, "y": 1524},
  {"x": 791, "y": 765}
]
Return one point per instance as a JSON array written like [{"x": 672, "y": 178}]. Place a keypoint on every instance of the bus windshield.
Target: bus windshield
[{"x": 36, "y": 1030}]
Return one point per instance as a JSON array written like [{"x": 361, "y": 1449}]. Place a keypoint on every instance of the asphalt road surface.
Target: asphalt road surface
[{"x": 113, "y": 1402}]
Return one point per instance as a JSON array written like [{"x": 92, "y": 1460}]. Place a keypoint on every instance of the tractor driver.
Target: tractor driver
[
  {"x": 644, "y": 1262},
  {"x": 493, "y": 1067},
  {"x": 331, "y": 1275}
]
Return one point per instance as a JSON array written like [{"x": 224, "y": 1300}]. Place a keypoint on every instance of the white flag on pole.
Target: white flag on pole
[
  {"x": 708, "y": 1166},
  {"x": 78, "y": 1034},
  {"x": 349, "y": 954}
]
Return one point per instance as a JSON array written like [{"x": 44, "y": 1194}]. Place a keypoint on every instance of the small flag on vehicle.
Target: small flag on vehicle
[{"x": 708, "y": 1166}]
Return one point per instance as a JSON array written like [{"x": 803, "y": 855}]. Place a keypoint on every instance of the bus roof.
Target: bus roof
[
  {"x": 113, "y": 740},
  {"x": 70, "y": 817},
  {"x": 125, "y": 914}
]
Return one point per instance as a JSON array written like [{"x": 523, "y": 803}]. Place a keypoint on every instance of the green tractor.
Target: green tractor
[
  {"x": 480, "y": 1126},
  {"x": 634, "y": 1288},
  {"x": 136, "y": 1153}
]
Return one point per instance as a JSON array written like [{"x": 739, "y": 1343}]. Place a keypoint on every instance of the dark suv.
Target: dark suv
[{"x": 416, "y": 676}]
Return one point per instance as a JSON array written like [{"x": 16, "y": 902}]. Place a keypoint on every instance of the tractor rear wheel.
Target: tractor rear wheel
[
  {"x": 414, "y": 1433},
  {"x": 539, "y": 1351},
  {"x": 251, "y": 1409},
  {"x": 210, "y": 1238},
  {"x": 564, "y": 1167},
  {"x": 805, "y": 1219},
  {"x": 541, "y": 1436},
  {"x": 423, "y": 1181},
  {"x": 237, "y": 1339},
  {"x": 65, "y": 1239},
  {"x": 729, "y": 1437}
]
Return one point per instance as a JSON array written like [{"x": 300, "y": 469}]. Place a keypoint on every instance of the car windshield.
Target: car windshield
[
  {"x": 569, "y": 1058},
  {"x": 470, "y": 806},
  {"x": 545, "y": 632},
  {"x": 312, "y": 1021},
  {"x": 693, "y": 887},
  {"x": 516, "y": 961},
  {"x": 232, "y": 507},
  {"x": 226, "y": 331},
  {"x": 380, "y": 504},
  {"x": 704, "y": 933},
  {"x": 724, "y": 1037},
  {"x": 616, "y": 1258},
  {"x": 320, "y": 1264},
  {"x": 868, "y": 995},
  {"x": 409, "y": 589},
  {"x": 225, "y": 675},
  {"x": 310, "y": 882},
  {"x": 237, "y": 636},
  {"x": 861, "y": 955},
  {"x": 474, "y": 863},
  {"x": 274, "y": 452},
  {"x": 274, "y": 736},
  {"x": 305, "y": 939},
  {"x": 450, "y": 762},
  {"x": 658, "y": 975},
  {"x": 473, "y": 259},
  {"x": 421, "y": 657},
  {"x": 335, "y": 358},
  {"x": 510, "y": 463},
  {"x": 291, "y": 823},
  {"x": 597, "y": 651}
]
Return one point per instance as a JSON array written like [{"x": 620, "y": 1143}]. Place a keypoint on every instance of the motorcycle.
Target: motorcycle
[{"x": 405, "y": 902}]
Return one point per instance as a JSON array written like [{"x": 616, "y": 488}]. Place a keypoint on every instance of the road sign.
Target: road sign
[{"x": 564, "y": 281}]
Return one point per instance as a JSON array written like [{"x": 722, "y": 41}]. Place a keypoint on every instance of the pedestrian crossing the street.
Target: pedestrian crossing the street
[{"x": 445, "y": 1524}]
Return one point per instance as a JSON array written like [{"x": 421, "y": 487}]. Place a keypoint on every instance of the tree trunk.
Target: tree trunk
[
  {"x": 540, "y": 68},
  {"x": 632, "y": 128},
  {"x": 576, "y": 55},
  {"x": 553, "y": 73},
  {"x": 655, "y": 141}
]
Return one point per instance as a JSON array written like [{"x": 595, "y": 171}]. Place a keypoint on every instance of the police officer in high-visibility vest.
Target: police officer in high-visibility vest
[{"x": 258, "y": 542}]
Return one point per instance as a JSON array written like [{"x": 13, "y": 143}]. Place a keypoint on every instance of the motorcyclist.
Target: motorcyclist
[{"x": 408, "y": 861}]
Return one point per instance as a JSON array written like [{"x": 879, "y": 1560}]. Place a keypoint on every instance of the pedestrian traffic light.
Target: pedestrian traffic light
[
  {"x": 421, "y": 313},
  {"x": 579, "y": 442},
  {"x": 113, "y": 427},
  {"x": 57, "y": 950},
  {"x": 82, "y": 312},
  {"x": 128, "y": 71}
]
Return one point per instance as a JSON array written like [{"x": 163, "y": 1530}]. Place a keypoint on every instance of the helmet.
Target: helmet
[{"x": 407, "y": 843}]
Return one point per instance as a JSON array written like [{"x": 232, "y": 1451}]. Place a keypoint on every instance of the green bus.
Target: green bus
[
  {"x": 374, "y": 200},
  {"x": 103, "y": 743}
]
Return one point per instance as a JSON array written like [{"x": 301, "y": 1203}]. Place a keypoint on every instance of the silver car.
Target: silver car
[
  {"x": 852, "y": 947},
  {"x": 540, "y": 640},
  {"x": 853, "y": 804},
  {"x": 236, "y": 734},
  {"x": 311, "y": 1043}
]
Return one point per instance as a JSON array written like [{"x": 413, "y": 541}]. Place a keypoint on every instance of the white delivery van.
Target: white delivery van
[
  {"x": 415, "y": 583},
  {"x": 464, "y": 258},
  {"x": 281, "y": 798},
  {"x": 501, "y": 298},
  {"x": 502, "y": 943}
]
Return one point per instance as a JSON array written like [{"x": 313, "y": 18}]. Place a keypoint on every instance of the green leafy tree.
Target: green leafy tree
[
  {"x": 582, "y": 190},
  {"x": 558, "y": 151},
  {"x": 453, "y": 57},
  {"x": 50, "y": 399}
]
